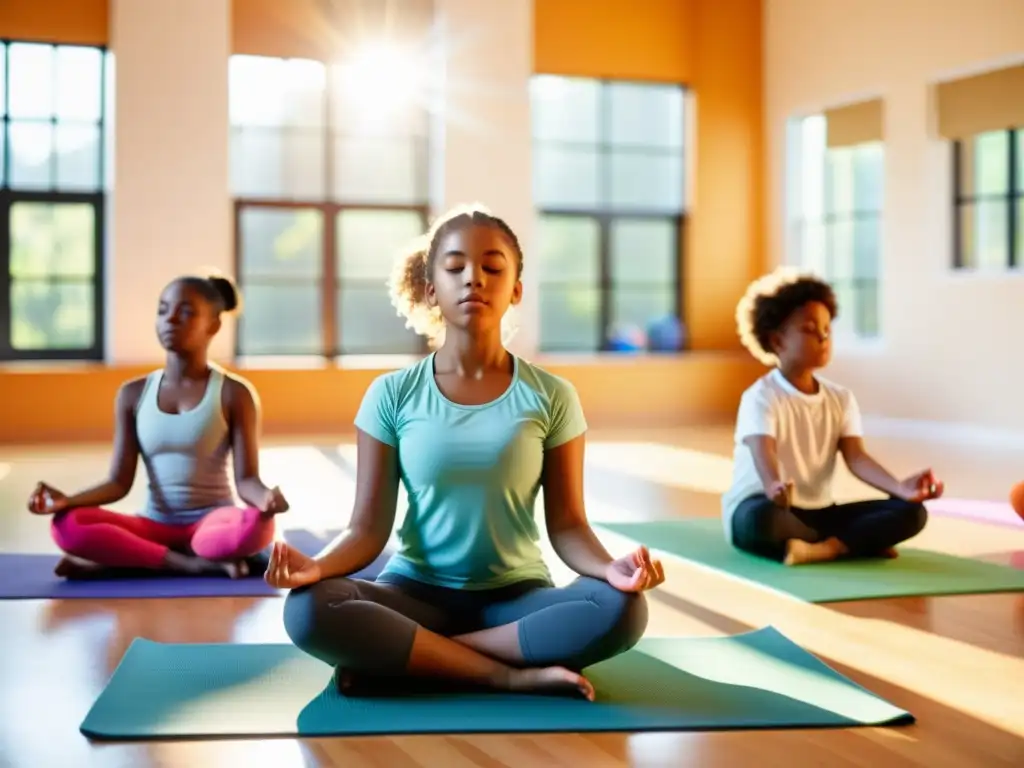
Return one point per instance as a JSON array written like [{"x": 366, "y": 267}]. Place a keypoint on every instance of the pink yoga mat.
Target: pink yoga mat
[{"x": 994, "y": 512}]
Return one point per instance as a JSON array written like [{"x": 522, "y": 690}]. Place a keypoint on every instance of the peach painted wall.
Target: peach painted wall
[{"x": 949, "y": 350}]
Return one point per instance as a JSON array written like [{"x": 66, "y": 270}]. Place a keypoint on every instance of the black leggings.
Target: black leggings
[
  {"x": 867, "y": 528},
  {"x": 368, "y": 627}
]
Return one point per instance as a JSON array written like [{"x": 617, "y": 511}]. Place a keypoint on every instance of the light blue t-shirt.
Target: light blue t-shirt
[{"x": 471, "y": 472}]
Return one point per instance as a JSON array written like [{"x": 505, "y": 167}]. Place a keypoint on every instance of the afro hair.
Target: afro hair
[{"x": 771, "y": 300}]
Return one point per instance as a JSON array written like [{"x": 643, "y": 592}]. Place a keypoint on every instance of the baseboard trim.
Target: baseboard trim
[{"x": 961, "y": 433}]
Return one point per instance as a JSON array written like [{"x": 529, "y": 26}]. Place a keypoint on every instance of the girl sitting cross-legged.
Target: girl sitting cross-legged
[
  {"x": 188, "y": 421},
  {"x": 473, "y": 432}
]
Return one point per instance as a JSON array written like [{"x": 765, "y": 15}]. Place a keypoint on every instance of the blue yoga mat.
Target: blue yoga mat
[
  {"x": 760, "y": 679},
  {"x": 31, "y": 577}
]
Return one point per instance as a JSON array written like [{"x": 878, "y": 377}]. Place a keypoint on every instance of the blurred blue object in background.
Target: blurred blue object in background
[
  {"x": 626, "y": 338},
  {"x": 666, "y": 335}
]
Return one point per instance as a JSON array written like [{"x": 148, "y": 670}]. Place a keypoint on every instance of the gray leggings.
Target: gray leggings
[{"x": 368, "y": 627}]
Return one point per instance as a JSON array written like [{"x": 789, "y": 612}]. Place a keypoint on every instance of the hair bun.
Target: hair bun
[{"x": 227, "y": 291}]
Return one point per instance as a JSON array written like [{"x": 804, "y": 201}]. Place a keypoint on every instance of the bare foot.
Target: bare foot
[
  {"x": 891, "y": 553},
  {"x": 198, "y": 566},
  {"x": 237, "y": 570},
  {"x": 75, "y": 568},
  {"x": 800, "y": 552},
  {"x": 551, "y": 680},
  {"x": 233, "y": 570}
]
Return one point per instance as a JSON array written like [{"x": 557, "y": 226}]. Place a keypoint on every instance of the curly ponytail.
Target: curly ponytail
[
  {"x": 408, "y": 290},
  {"x": 408, "y": 284}
]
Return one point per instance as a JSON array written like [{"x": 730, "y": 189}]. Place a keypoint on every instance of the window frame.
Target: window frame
[
  {"x": 799, "y": 222},
  {"x": 858, "y": 285},
  {"x": 606, "y": 284},
  {"x": 606, "y": 217},
  {"x": 96, "y": 198},
  {"x": 329, "y": 282},
  {"x": 1013, "y": 197}
]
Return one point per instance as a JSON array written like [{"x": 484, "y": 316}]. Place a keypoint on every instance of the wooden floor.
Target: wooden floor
[{"x": 957, "y": 663}]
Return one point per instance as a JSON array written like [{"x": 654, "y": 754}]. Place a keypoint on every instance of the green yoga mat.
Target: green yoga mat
[
  {"x": 914, "y": 573},
  {"x": 756, "y": 680}
]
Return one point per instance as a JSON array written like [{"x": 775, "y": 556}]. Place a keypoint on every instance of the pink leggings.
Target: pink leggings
[{"x": 128, "y": 541}]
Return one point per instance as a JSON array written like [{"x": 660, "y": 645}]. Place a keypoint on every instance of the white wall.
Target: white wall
[
  {"x": 486, "y": 131},
  {"x": 950, "y": 348},
  {"x": 172, "y": 213}
]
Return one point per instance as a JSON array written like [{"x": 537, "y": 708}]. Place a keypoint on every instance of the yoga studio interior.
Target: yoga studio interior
[{"x": 625, "y": 382}]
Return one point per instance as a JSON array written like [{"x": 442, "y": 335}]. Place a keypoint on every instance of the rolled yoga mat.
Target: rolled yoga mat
[
  {"x": 756, "y": 680},
  {"x": 31, "y": 577},
  {"x": 914, "y": 573}
]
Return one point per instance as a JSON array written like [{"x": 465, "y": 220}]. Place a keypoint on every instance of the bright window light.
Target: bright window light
[{"x": 382, "y": 80}]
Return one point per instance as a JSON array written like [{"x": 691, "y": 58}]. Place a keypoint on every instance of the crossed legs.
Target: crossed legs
[
  {"x": 523, "y": 637},
  {"x": 794, "y": 536},
  {"x": 96, "y": 538}
]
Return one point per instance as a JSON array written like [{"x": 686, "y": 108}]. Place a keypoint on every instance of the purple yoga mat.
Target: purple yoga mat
[
  {"x": 995, "y": 512},
  {"x": 30, "y": 577}
]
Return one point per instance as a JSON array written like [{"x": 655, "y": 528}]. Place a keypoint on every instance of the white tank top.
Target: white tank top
[{"x": 185, "y": 454}]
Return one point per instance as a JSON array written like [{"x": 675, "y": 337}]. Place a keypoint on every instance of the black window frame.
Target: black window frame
[
  {"x": 331, "y": 347},
  {"x": 1013, "y": 196},
  {"x": 606, "y": 285},
  {"x": 607, "y": 217},
  {"x": 97, "y": 199},
  {"x": 329, "y": 281}
]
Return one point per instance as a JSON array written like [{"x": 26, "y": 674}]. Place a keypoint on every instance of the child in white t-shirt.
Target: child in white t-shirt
[{"x": 791, "y": 427}]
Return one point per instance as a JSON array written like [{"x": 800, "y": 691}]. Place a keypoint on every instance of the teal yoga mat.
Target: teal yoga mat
[
  {"x": 755, "y": 680},
  {"x": 914, "y": 573}
]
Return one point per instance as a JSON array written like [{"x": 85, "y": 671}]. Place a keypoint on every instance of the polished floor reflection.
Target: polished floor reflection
[{"x": 956, "y": 662}]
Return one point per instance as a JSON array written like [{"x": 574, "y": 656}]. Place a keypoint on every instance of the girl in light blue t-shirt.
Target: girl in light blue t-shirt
[{"x": 473, "y": 433}]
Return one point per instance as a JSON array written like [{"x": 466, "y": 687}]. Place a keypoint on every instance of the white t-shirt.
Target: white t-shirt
[{"x": 806, "y": 428}]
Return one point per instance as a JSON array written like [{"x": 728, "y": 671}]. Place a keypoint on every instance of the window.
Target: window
[
  {"x": 52, "y": 180},
  {"x": 610, "y": 187},
  {"x": 836, "y": 223},
  {"x": 328, "y": 187},
  {"x": 988, "y": 221}
]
